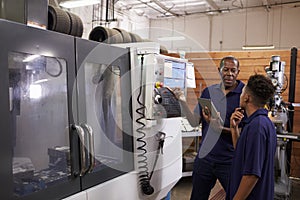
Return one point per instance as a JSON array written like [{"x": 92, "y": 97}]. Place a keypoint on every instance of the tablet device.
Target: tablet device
[{"x": 209, "y": 104}]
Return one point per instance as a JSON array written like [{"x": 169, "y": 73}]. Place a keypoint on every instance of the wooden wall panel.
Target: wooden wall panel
[{"x": 251, "y": 62}]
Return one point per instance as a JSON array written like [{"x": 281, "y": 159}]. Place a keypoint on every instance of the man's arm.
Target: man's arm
[
  {"x": 246, "y": 186},
  {"x": 235, "y": 134},
  {"x": 193, "y": 118}
]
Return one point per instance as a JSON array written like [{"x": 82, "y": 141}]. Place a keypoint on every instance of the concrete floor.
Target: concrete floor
[{"x": 182, "y": 190}]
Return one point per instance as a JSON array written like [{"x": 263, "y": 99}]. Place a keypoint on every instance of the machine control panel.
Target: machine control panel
[{"x": 163, "y": 72}]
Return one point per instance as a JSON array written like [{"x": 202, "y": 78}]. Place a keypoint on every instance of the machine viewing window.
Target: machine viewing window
[
  {"x": 103, "y": 113},
  {"x": 38, "y": 111}
]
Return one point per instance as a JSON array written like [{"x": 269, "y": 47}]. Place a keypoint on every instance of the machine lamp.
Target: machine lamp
[{"x": 35, "y": 91}]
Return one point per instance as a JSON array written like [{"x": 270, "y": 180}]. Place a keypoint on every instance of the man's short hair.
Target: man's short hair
[
  {"x": 261, "y": 88},
  {"x": 236, "y": 61}
]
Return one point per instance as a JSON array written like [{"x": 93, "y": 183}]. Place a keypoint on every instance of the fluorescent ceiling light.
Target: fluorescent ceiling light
[
  {"x": 257, "y": 47},
  {"x": 171, "y": 38},
  {"x": 78, "y": 3}
]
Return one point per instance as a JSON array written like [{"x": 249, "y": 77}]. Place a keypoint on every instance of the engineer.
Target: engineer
[{"x": 215, "y": 154}]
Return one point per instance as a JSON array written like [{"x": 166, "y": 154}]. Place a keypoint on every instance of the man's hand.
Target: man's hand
[
  {"x": 178, "y": 93},
  {"x": 214, "y": 123},
  {"x": 236, "y": 117},
  {"x": 235, "y": 120}
]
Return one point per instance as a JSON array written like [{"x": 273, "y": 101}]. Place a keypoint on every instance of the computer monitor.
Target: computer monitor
[{"x": 174, "y": 73}]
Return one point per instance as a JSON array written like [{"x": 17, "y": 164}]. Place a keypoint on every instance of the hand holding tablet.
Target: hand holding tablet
[{"x": 211, "y": 107}]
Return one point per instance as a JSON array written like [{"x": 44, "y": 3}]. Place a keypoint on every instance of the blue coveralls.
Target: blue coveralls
[
  {"x": 255, "y": 151},
  {"x": 216, "y": 150}
]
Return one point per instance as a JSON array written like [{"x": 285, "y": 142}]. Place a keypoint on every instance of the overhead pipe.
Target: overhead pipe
[
  {"x": 113, "y": 8},
  {"x": 162, "y": 6},
  {"x": 240, "y": 8},
  {"x": 212, "y": 4},
  {"x": 147, "y": 4},
  {"x": 217, "y": 9},
  {"x": 101, "y": 11},
  {"x": 109, "y": 7},
  {"x": 106, "y": 11}
]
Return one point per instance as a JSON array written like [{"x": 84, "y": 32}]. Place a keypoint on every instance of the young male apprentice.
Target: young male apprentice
[
  {"x": 215, "y": 154},
  {"x": 252, "y": 173}
]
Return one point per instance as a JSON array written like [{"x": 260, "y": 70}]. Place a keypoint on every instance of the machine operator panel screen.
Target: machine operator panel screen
[{"x": 174, "y": 74}]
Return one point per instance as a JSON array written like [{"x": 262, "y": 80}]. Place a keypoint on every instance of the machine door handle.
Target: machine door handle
[
  {"x": 90, "y": 133},
  {"x": 80, "y": 132}
]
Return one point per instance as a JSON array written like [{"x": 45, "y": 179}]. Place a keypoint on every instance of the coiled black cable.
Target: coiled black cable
[
  {"x": 59, "y": 72},
  {"x": 144, "y": 178}
]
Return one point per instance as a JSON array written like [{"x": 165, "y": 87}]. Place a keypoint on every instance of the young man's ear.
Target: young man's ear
[{"x": 246, "y": 97}]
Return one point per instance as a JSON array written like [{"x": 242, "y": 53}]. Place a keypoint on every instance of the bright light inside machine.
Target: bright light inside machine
[
  {"x": 41, "y": 81},
  {"x": 35, "y": 91},
  {"x": 31, "y": 58}
]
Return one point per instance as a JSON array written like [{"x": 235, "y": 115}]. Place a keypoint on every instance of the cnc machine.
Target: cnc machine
[{"x": 278, "y": 113}]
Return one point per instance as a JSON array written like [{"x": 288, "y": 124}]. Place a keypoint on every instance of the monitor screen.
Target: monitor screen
[{"x": 175, "y": 74}]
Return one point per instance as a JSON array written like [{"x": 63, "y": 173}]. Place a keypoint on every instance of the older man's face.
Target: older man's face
[{"x": 229, "y": 73}]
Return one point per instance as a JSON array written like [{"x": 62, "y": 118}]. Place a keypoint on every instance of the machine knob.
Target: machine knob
[
  {"x": 158, "y": 84},
  {"x": 157, "y": 99}
]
